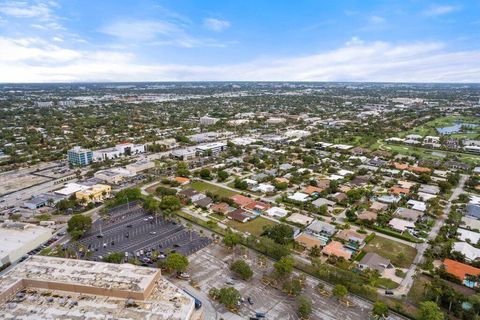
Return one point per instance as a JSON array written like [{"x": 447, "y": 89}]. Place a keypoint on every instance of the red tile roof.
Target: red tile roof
[
  {"x": 242, "y": 201},
  {"x": 460, "y": 270}
]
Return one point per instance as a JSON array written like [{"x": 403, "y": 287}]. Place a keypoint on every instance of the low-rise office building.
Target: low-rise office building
[
  {"x": 17, "y": 239},
  {"x": 97, "y": 193}
]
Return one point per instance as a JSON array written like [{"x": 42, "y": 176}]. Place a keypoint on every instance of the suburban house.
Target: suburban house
[
  {"x": 417, "y": 205},
  {"x": 241, "y": 201},
  {"x": 277, "y": 212},
  {"x": 374, "y": 261},
  {"x": 257, "y": 206},
  {"x": 205, "y": 202},
  {"x": 312, "y": 191},
  {"x": 308, "y": 241},
  {"x": 368, "y": 215},
  {"x": 467, "y": 274},
  {"x": 300, "y": 219},
  {"x": 464, "y": 235},
  {"x": 401, "y": 225},
  {"x": 299, "y": 196},
  {"x": 182, "y": 180},
  {"x": 321, "y": 230},
  {"x": 239, "y": 215},
  {"x": 324, "y": 202},
  {"x": 408, "y": 214},
  {"x": 191, "y": 194},
  {"x": 335, "y": 248},
  {"x": 222, "y": 208},
  {"x": 353, "y": 240},
  {"x": 473, "y": 210},
  {"x": 470, "y": 252}
]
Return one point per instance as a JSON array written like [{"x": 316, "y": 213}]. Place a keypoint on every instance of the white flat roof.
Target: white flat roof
[
  {"x": 96, "y": 274},
  {"x": 71, "y": 188},
  {"x": 12, "y": 239}
]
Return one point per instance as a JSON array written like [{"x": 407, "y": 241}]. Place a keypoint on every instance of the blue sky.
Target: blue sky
[{"x": 147, "y": 40}]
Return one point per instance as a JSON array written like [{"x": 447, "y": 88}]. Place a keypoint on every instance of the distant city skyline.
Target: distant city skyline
[{"x": 146, "y": 40}]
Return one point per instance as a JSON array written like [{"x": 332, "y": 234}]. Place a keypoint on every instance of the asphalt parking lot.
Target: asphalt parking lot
[
  {"x": 271, "y": 301},
  {"x": 132, "y": 231}
]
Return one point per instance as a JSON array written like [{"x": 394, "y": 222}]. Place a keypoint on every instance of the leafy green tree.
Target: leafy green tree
[
  {"x": 78, "y": 224},
  {"x": 242, "y": 269},
  {"x": 231, "y": 239},
  {"x": 240, "y": 184},
  {"x": 222, "y": 175},
  {"x": 292, "y": 287},
  {"x": 151, "y": 205},
  {"x": 280, "y": 233},
  {"x": 205, "y": 174},
  {"x": 182, "y": 170},
  {"x": 283, "y": 267},
  {"x": 229, "y": 297},
  {"x": 429, "y": 310},
  {"x": 163, "y": 191},
  {"x": 339, "y": 291},
  {"x": 304, "y": 307},
  {"x": 170, "y": 203},
  {"x": 380, "y": 310},
  {"x": 114, "y": 257},
  {"x": 177, "y": 262}
]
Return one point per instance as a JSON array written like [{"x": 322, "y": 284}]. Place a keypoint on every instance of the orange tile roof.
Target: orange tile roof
[
  {"x": 182, "y": 180},
  {"x": 460, "y": 270},
  {"x": 312, "y": 189},
  {"x": 419, "y": 169},
  {"x": 336, "y": 248},
  {"x": 220, "y": 207},
  {"x": 308, "y": 241},
  {"x": 242, "y": 201},
  {"x": 258, "y": 205},
  {"x": 281, "y": 180},
  {"x": 400, "y": 166},
  {"x": 398, "y": 190}
]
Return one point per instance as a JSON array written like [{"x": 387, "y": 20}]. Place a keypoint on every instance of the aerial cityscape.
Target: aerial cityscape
[{"x": 195, "y": 160}]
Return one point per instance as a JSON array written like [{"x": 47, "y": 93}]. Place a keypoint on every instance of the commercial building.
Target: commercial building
[
  {"x": 213, "y": 147},
  {"x": 121, "y": 149},
  {"x": 43, "y": 200},
  {"x": 57, "y": 288},
  {"x": 140, "y": 166},
  {"x": 79, "y": 156},
  {"x": 184, "y": 154},
  {"x": 113, "y": 175},
  {"x": 208, "y": 121},
  {"x": 97, "y": 193},
  {"x": 17, "y": 239}
]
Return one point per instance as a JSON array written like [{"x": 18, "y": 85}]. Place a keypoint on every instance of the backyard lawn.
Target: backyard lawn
[
  {"x": 202, "y": 186},
  {"x": 254, "y": 227},
  {"x": 401, "y": 255}
]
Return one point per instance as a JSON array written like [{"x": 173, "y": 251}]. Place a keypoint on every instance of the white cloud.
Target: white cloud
[
  {"x": 216, "y": 25},
  {"x": 439, "y": 10},
  {"x": 25, "y": 9},
  {"x": 376, "y": 20},
  {"x": 155, "y": 32},
  {"x": 32, "y": 60}
]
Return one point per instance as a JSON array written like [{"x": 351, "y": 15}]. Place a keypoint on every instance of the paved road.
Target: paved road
[{"x": 407, "y": 282}]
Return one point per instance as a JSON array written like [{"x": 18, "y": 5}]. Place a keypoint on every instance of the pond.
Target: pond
[{"x": 455, "y": 128}]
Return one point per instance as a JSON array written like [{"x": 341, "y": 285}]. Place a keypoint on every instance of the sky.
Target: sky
[{"x": 239, "y": 40}]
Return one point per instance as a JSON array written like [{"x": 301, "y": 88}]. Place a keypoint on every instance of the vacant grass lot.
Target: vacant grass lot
[
  {"x": 401, "y": 255},
  {"x": 202, "y": 186},
  {"x": 254, "y": 227}
]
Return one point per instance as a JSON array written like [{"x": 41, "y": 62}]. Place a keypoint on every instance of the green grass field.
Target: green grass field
[
  {"x": 255, "y": 226},
  {"x": 391, "y": 250},
  {"x": 430, "y": 128},
  {"x": 202, "y": 186},
  {"x": 424, "y": 153}
]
